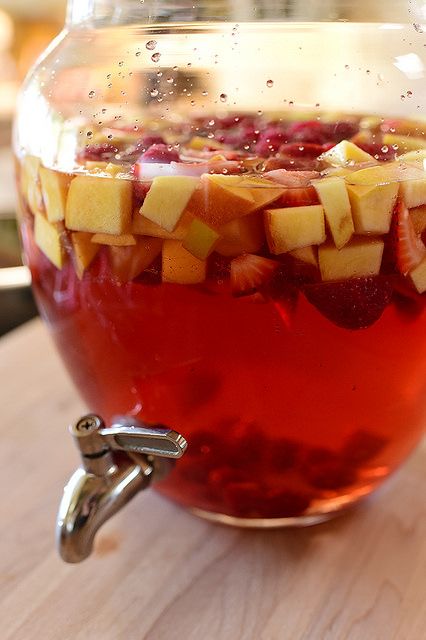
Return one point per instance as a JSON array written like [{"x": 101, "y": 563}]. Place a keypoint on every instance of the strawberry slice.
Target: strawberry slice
[
  {"x": 410, "y": 250},
  {"x": 249, "y": 272},
  {"x": 298, "y": 197},
  {"x": 351, "y": 304}
]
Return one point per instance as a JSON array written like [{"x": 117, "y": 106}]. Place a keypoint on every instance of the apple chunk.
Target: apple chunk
[
  {"x": 54, "y": 187},
  {"x": 404, "y": 143},
  {"x": 48, "y": 238},
  {"x": 294, "y": 228},
  {"x": 334, "y": 198},
  {"x": 418, "y": 276},
  {"x": 129, "y": 262},
  {"x": 413, "y": 192},
  {"x": 180, "y": 266},
  {"x": 372, "y": 207},
  {"x": 355, "y": 260},
  {"x": 141, "y": 226},
  {"x": 200, "y": 239},
  {"x": 242, "y": 235},
  {"x": 84, "y": 251},
  {"x": 30, "y": 183},
  {"x": 167, "y": 198},
  {"x": 99, "y": 205},
  {"x": 418, "y": 218},
  {"x": 309, "y": 255},
  {"x": 345, "y": 152},
  {"x": 123, "y": 240}
]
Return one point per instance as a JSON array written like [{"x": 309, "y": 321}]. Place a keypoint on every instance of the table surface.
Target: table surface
[{"x": 159, "y": 573}]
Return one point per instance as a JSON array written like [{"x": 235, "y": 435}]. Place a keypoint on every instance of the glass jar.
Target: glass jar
[{"x": 223, "y": 206}]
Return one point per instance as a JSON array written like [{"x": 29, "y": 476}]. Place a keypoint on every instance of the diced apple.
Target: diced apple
[
  {"x": 418, "y": 276},
  {"x": 345, "y": 152},
  {"x": 123, "y": 240},
  {"x": 263, "y": 191},
  {"x": 413, "y": 192},
  {"x": 418, "y": 218},
  {"x": 219, "y": 199},
  {"x": 372, "y": 123},
  {"x": 384, "y": 174},
  {"x": 306, "y": 254},
  {"x": 96, "y": 166},
  {"x": 48, "y": 238},
  {"x": 99, "y": 205},
  {"x": 198, "y": 143},
  {"x": 167, "y": 199},
  {"x": 372, "y": 207},
  {"x": 358, "y": 259},
  {"x": 84, "y": 251},
  {"x": 337, "y": 208},
  {"x": 54, "y": 187},
  {"x": 143, "y": 227},
  {"x": 180, "y": 266},
  {"x": 200, "y": 239},
  {"x": 404, "y": 143},
  {"x": 417, "y": 158},
  {"x": 242, "y": 235},
  {"x": 129, "y": 262},
  {"x": 116, "y": 169},
  {"x": 30, "y": 183},
  {"x": 294, "y": 228}
]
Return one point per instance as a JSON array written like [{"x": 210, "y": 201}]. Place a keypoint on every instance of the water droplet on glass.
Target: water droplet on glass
[
  {"x": 402, "y": 97},
  {"x": 223, "y": 97},
  {"x": 104, "y": 111},
  {"x": 91, "y": 94},
  {"x": 170, "y": 80},
  {"x": 138, "y": 53},
  {"x": 368, "y": 72},
  {"x": 89, "y": 134},
  {"x": 385, "y": 148},
  {"x": 109, "y": 136},
  {"x": 418, "y": 28},
  {"x": 205, "y": 93},
  {"x": 121, "y": 63},
  {"x": 409, "y": 94},
  {"x": 270, "y": 83},
  {"x": 347, "y": 66},
  {"x": 151, "y": 44},
  {"x": 155, "y": 57},
  {"x": 154, "y": 93},
  {"x": 175, "y": 68}
]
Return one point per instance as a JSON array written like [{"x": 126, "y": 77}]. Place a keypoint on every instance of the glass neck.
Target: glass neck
[{"x": 119, "y": 12}]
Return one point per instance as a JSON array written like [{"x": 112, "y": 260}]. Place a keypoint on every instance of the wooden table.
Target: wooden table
[{"x": 159, "y": 573}]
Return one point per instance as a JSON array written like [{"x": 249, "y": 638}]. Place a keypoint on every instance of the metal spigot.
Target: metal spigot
[{"x": 117, "y": 462}]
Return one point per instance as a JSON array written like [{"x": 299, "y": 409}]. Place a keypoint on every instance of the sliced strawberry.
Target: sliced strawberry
[
  {"x": 249, "y": 272},
  {"x": 410, "y": 250},
  {"x": 298, "y": 197},
  {"x": 351, "y": 304}
]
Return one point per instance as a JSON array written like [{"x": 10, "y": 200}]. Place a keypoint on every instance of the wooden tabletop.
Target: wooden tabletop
[{"x": 159, "y": 573}]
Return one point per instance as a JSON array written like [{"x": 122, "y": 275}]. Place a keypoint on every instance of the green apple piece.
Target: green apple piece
[
  {"x": 167, "y": 198},
  {"x": 345, "y": 152},
  {"x": 372, "y": 207},
  {"x": 358, "y": 259},
  {"x": 418, "y": 218},
  {"x": 180, "y": 266},
  {"x": 294, "y": 227},
  {"x": 99, "y": 205},
  {"x": 306, "y": 254},
  {"x": 84, "y": 251},
  {"x": 404, "y": 143},
  {"x": 337, "y": 208},
  {"x": 418, "y": 276},
  {"x": 48, "y": 238},
  {"x": 200, "y": 239},
  {"x": 54, "y": 187}
]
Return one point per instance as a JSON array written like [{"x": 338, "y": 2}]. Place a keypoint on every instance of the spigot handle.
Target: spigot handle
[{"x": 150, "y": 441}]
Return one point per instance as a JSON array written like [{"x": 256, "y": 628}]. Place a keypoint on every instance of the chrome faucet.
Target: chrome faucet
[{"x": 117, "y": 462}]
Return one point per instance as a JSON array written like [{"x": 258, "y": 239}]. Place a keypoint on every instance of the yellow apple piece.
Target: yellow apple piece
[
  {"x": 306, "y": 254},
  {"x": 54, "y": 187},
  {"x": 84, "y": 251},
  {"x": 30, "y": 183},
  {"x": 167, "y": 199},
  {"x": 219, "y": 199},
  {"x": 358, "y": 259},
  {"x": 180, "y": 266},
  {"x": 242, "y": 235},
  {"x": 99, "y": 205},
  {"x": 198, "y": 143},
  {"x": 345, "y": 152},
  {"x": 200, "y": 239},
  {"x": 264, "y": 192},
  {"x": 417, "y": 158},
  {"x": 129, "y": 262},
  {"x": 294, "y": 228},
  {"x": 48, "y": 238},
  {"x": 418, "y": 218},
  {"x": 337, "y": 208},
  {"x": 123, "y": 240},
  {"x": 373, "y": 123},
  {"x": 404, "y": 143},
  {"x": 143, "y": 227},
  {"x": 384, "y": 173},
  {"x": 372, "y": 207},
  {"x": 413, "y": 192},
  {"x": 418, "y": 276}
]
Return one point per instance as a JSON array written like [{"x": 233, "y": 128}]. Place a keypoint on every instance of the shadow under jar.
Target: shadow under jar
[{"x": 223, "y": 207}]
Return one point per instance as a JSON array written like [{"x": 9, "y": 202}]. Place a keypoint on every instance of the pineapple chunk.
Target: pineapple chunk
[
  {"x": 242, "y": 235},
  {"x": 345, "y": 152},
  {"x": 143, "y": 227},
  {"x": 30, "y": 183},
  {"x": 48, "y": 238},
  {"x": 404, "y": 143},
  {"x": 334, "y": 198},
  {"x": 123, "y": 240},
  {"x": 306, "y": 254},
  {"x": 167, "y": 198},
  {"x": 200, "y": 239},
  {"x": 294, "y": 228},
  {"x": 99, "y": 205},
  {"x": 84, "y": 251},
  {"x": 418, "y": 276},
  {"x": 372, "y": 207},
  {"x": 418, "y": 218},
  {"x": 357, "y": 259},
  {"x": 180, "y": 266},
  {"x": 54, "y": 187}
]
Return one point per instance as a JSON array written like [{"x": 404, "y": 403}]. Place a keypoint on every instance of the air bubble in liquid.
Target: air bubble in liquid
[{"x": 151, "y": 44}]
